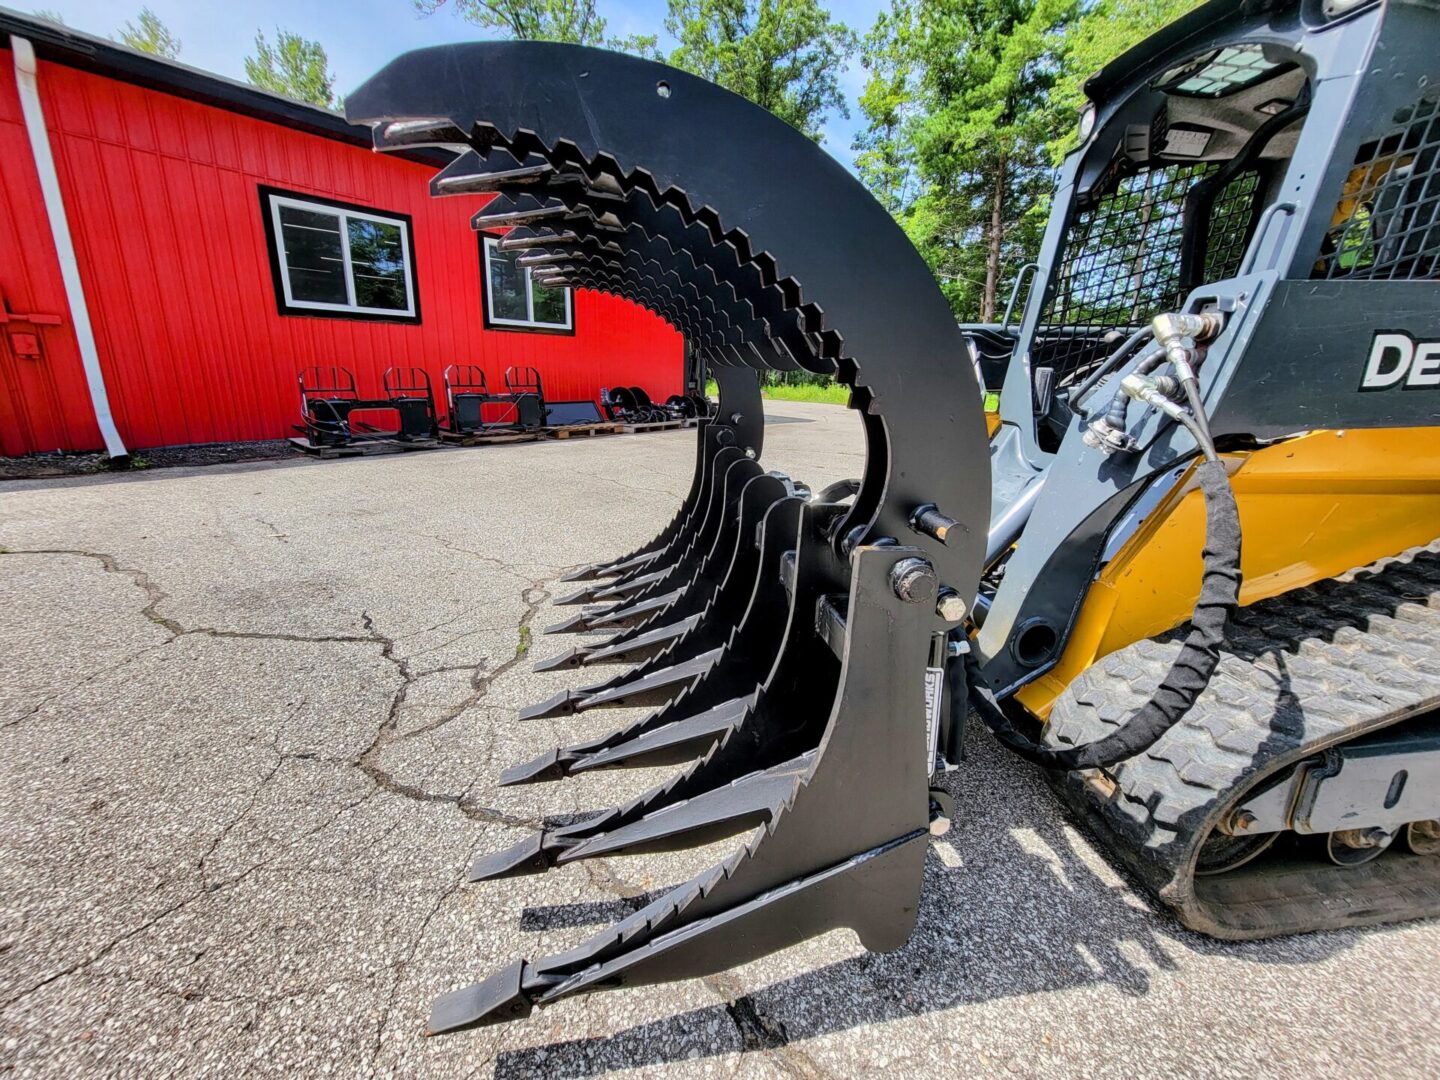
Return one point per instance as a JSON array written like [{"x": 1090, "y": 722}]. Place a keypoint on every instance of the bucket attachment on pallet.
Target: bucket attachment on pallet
[{"x": 783, "y": 642}]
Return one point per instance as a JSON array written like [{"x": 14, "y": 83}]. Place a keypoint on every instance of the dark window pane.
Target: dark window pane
[
  {"x": 378, "y": 262},
  {"x": 313, "y": 256},
  {"x": 507, "y": 285},
  {"x": 549, "y": 305}
]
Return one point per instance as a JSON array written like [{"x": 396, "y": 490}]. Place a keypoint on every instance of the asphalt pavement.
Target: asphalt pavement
[{"x": 251, "y": 720}]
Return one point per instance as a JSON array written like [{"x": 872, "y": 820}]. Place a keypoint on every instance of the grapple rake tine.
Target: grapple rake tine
[
  {"x": 739, "y": 397},
  {"x": 565, "y": 760},
  {"x": 635, "y": 649},
  {"x": 781, "y": 718},
  {"x": 703, "y": 520},
  {"x": 712, "y": 618},
  {"x": 712, "y": 600},
  {"x": 822, "y": 849},
  {"x": 652, "y": 688},
  {"x": 752, "y": 800}
]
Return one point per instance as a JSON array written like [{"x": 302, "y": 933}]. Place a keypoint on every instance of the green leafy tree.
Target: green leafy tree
[
  {"x": 148, "y": 34},
  {"x": 785, "y": 55},
  {"x": 293, "y": 66},
  {"x": 575, "y": 21},
  {"x": 1106, "y": 30},
  {"x": 961, "y": 114}
]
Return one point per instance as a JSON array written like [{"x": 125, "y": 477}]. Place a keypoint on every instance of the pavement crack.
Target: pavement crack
[
  {"x": 757, "y": 1032},
  {"x": 102, "y": 952},
  {"x": 155, "y": 595},
  {"x": 387, "y": 734},
  {"x": 402, "y": 964},
  {"x": 534, "y": 597}
]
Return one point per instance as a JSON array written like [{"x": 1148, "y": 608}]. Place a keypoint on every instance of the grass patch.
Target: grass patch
[
  {"x": 523, "y": 646},
  {"x": 828, "y": 394}
]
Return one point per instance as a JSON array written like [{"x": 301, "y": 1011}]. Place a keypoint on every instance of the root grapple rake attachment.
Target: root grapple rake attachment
[{"x": 779, "y": 638}]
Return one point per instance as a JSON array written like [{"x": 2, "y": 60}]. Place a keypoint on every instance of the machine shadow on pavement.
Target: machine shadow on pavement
[{"x": 1012, "y": 905}]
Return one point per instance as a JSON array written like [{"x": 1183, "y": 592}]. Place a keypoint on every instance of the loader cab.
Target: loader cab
[{"x": 1179, "y": 158}]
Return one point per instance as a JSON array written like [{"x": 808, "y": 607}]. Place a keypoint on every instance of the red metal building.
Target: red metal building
[{"x": 225, "y": 238}]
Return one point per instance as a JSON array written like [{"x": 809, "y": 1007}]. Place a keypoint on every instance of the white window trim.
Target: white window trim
[
  {"x": 528, "y": 323},
  {"x": 349, "y": 308}
]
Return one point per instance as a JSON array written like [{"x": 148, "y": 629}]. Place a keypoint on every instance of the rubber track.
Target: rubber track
[{"x": 1300, "y": 672}]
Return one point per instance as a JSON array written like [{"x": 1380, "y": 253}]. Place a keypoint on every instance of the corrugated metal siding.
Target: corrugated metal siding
[
  {"x": 163, "y": 203},
  {"x": 44, "y": 404}
]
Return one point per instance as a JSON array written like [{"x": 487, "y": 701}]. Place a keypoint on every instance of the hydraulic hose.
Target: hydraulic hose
[{"x": 1188, "y": 675}]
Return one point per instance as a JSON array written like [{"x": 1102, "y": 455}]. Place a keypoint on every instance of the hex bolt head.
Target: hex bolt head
[
  {"x": 950, "y": 607},
  {"x": 913, "y": 580}
]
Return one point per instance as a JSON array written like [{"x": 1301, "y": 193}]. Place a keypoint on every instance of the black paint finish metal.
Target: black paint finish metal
[{"x": 820, "y": 739}]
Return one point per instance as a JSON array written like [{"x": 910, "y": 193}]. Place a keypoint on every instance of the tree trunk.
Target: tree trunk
[{"x": 992, "y": 252}]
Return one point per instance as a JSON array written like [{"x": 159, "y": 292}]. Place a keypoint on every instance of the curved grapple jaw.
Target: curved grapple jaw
[{"x": 779, "y": 641}]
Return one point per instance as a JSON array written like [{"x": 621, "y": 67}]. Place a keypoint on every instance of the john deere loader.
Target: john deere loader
[{"x": 1190, "y": 567}]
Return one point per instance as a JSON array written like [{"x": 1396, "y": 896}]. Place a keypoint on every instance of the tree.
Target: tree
[
  {"x": 148, "y": 34},
  {"x": 784, "y": 55},
  {"x": 575, "y": 21},
  {"x": 51, "y": 16},
  {"x": 961, "y": 115},
  {"x": 295, "y": 67},
  {"x": 970, "y": 104},
  {"x": 1108, "y": 28}
]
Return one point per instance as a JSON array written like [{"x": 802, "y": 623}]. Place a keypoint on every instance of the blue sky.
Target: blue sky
[{"x": 360, "y": 35}]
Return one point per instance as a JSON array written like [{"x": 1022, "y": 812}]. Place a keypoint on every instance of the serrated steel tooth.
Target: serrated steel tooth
[
  {"x": 486, "y": 182},
  {"x": 670, "y": 744},
  {"x": 571, "y": 658},
  {"x": 498, "y": 219},
  {"x": 655, "y": 689},
  {"x": 751, "y": 801},
  {"x": 642, "y": 646},
  {"x": 562, "y": 761},
  {"x": 621, "y": 648},
  {"x": 627, "y": 589},
  {"x": 531, "y": 261},
  {"x": 632, "y": 614},
  {"x": 428, "y": 131},
  {"x": 579, "y": 596},
  {"x": 547, "y": 239},
  {"x": 576, "y": 624},
  {"x": 565, "y": 703},
  {"x": 546, "y": 766}
]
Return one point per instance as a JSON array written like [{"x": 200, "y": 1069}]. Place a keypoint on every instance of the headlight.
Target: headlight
[{"x": 1087, "y": 122}]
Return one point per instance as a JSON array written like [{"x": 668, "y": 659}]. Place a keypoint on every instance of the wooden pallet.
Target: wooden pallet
[
  {"x": 662, "y": 425},
  {"x": 575, "y": 431},
  {"x": 363, "y": 449},
  {"x": 487, "y": 438}
]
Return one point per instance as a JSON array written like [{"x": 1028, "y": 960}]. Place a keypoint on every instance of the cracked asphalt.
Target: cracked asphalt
[{"x": 250, "y": 723}]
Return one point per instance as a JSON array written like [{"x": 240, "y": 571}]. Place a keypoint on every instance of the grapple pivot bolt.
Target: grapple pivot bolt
[
  {"x": 913, "y": 580},
  {"x": 929, "y": 520},
  {"x": 950, "y": 606}
]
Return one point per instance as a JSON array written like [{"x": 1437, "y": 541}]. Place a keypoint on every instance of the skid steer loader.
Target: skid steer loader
[{"x": 1233, "y": 330}]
